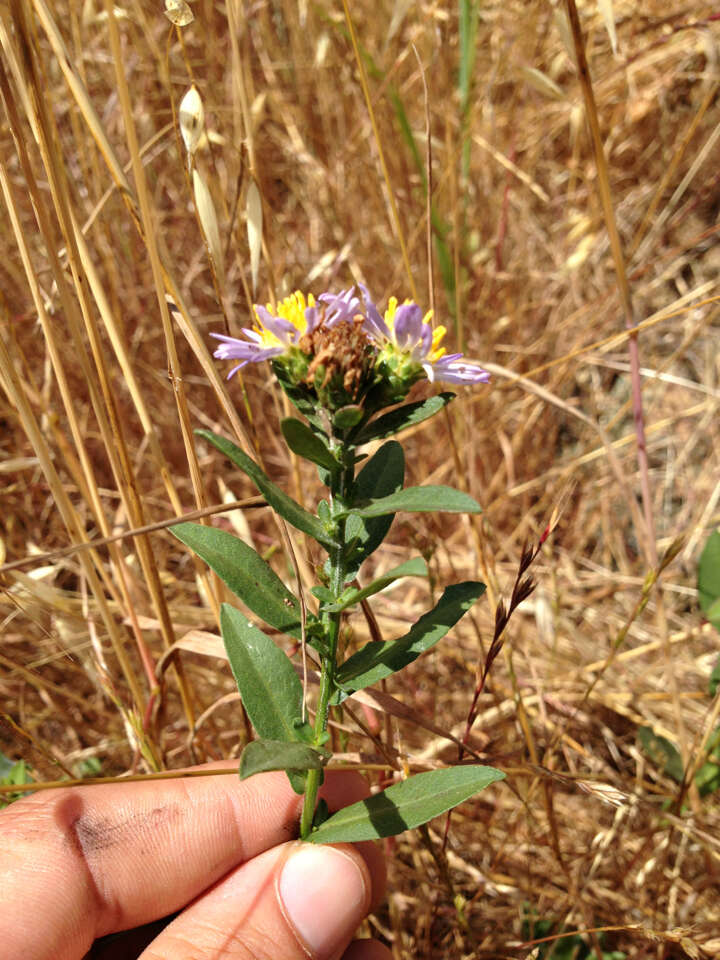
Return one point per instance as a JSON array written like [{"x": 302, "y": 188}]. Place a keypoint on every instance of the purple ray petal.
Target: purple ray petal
[
  {"x": 374, "y": 324},
  {"x": 451, "y": 370},
  {"x": 340, "y": 307},
  {"x": 408, "y": 325}
]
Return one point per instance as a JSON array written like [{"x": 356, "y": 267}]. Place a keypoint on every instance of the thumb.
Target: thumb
[{"x": 292, "y": 901}]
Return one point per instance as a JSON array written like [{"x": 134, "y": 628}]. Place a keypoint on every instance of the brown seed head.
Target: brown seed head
[{"x": 343, "y": 351}]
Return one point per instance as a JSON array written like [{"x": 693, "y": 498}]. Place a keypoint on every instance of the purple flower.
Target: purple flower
[
  {"x": 340, "y": 307},
  {"x": 405, "y": 332},
  {"x": 274, "y": 334}
]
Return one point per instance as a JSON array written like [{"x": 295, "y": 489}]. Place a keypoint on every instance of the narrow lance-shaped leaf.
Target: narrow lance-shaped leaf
[
  {"x": 284, "y": 505},
  {"x": 307, "y": 444},
  {"x": 425, "y": 499},
  {"x": 246, "y": 573},
  {"x": 403, "y": 417},
  {"x": 267, "y": 681},
  {"x": 270, "y": 689},
  {"x": 375, "y": 660},
  {"x": 405, "y": 805},
  {"x": 413, "y": 568},
  {"x": 259, "y": 756},
  {"x": 383, "y": 474}
]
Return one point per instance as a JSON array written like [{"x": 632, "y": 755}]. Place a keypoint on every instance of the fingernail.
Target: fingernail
[{"x": 325, "y": 897}]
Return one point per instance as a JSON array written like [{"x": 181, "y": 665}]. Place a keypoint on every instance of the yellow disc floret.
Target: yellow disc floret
[
  {"x": 291, "y": 310},
  {"x": 436, "y": 351},
  {"x": 390, "y": 314}
]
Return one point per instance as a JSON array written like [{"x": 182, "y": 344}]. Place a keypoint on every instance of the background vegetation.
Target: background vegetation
[{"x": 598, "y": 706}]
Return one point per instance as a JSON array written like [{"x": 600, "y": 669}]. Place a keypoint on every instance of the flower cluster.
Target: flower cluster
[{"x": 341, "y": 347}]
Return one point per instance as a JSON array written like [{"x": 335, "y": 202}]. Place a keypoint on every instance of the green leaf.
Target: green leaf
[
  {"x": 420, "y": 500},
  {"x": 324, "y": 594},
  {"x": 403, "y": 417},
  {"x": 713, "y": 613},
  {"x": 6, "y": 765},
  {"x": 564, "y": 944},
  {"x": 300, "y": 396},
  {"x": 383, "y": 474},
  {"x": 405, "y": 805},
  {"x": 375, "y": 660},
  {"x": 89, "y": 767},
  {"x": 291, "y": 511},
  {"x": 246, "y": 573},
  {"x": 302, "y": 441},
  {"x": 708, "y": 777},
  {"x": 709, "y": 579},
  {"x": 322, "y": 812},
  {"x": 270, "y": 689},
  {"x": 17, "y": 775},
  {"x": 259, "y": 756},
  {"x": 714, "y": 679},
  {"x": 13, "y": 773},
  {"x": 413, "y": 568},
  {"x": 662, "y": 752},
  {"x": 348, "y": 417}
]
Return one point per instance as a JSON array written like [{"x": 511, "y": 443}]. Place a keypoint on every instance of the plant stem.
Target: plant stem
[{"x": 340, "y": 484}]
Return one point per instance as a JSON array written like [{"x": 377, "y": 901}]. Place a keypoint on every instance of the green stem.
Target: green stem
[{"x": 341, "y": 483}]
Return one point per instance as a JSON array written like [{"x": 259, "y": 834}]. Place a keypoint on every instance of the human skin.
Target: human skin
[{"x": 78, "y": 864}]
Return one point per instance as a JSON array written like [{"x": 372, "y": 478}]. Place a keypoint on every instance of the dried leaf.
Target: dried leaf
[
  {"x": 208, "y": 219},
  {"x": 563, "y": 28},
  {"x": 321, "y": 49},
  {"x": 258, "y": 109},
  {"x": 690, "y": 948},
  {"x": 192, "y": 119},
  {"x": 581, "y": 252},
  {"x": 542, "y": 83},
  {"x": 606, "y": 12},
  {"x": 605, "y": 792},
  {"x": 178, "y": 12},
  {"x": 254, "y": 216}
]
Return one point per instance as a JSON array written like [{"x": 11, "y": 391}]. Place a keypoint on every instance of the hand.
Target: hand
[{"x": 80, "y": 863}]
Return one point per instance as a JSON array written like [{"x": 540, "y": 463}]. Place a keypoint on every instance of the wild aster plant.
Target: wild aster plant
[{"x": 341, "y": 363}]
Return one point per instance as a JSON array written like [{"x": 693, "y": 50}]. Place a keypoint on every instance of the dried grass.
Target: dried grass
[{"x": 108, "y": 297}]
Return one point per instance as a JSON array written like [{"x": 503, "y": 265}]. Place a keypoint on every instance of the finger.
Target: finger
[
  {"x": 82, "y": 862},
  {"x": 294, "y": 901},
  {"x": 131, "y": 943}
]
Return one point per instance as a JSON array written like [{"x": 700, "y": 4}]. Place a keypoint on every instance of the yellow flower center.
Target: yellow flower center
[
  {"x": 390, "y": 313},
  {"x": 436, "y": 351},
  {"x": 292, "y": 309}
]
